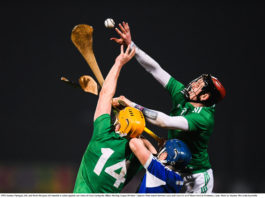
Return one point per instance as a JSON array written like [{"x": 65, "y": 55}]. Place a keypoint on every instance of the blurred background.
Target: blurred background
[{"x": 46, "y": 125}]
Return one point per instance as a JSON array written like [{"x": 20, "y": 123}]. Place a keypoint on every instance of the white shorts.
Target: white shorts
[{"x": 198, "y": 182}]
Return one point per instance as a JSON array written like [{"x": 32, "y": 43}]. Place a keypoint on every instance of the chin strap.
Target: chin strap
[{"x": 185, "y": 92}]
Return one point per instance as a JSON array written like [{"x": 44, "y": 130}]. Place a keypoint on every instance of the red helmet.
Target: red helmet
[{"x": 219, "y": 88}]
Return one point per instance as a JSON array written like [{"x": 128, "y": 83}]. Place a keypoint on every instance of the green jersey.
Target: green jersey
[
  {"x": 201, "y": 123},
  {"x": 104, "y": 164}
]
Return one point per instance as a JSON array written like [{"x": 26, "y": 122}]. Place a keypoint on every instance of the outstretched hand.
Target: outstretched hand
[
  {"x": 125, "y": 34},
  {"x": 124, "y": 57},
  {"x": 121, "y": 102}
]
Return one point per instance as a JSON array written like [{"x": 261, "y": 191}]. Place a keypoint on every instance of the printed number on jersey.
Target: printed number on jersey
[{"x": 106, "y": 154}]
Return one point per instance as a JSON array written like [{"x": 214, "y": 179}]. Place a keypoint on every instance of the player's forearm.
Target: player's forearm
[
  {"x": 110, "y": 83},
  {"x": 107, "y": 92},
  {"x": 151, "y": 66},
  {"x": 162, "y": 120},
  {"x": 140, "y": 150},
  {"x": 149, "y": 146}
]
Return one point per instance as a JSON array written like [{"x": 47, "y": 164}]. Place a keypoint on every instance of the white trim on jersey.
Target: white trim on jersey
[
  {"x": 153, "y": 181},
  {"x": 160, "y": 179},
  {"x": 147, "y": 163}
]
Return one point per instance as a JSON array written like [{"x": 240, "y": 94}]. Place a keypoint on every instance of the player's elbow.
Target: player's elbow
[
  {"x": 106, "y": 93},
  {"x": 134, "y": 144}
]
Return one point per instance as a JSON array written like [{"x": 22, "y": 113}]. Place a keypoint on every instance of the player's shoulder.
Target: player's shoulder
[
  {"x": 102, "y": 126},
  {"x": 158, "y": 165},
  {"x": 201, "y": 117},
  {"x": 173, "y": 83},
  {"x": 176, "y": 82},
  {"x": 102, "y": 121},
  {"x": 103, "y": 117}
]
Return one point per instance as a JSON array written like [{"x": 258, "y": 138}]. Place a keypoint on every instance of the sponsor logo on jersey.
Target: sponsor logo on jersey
[{"x": 197, "y": 110}]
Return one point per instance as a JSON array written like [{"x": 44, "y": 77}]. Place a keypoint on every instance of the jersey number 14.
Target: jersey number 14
[{"x": 120, "y": 178}]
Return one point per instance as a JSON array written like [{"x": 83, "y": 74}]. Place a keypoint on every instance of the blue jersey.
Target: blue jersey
[{"x": 160, "y": 179}]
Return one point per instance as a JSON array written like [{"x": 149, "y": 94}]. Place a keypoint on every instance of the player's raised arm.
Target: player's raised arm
[
  {"x": 148, "y": 63},
  {"x": 156, "y": 117},
  {"x": 109, "y": 86}
]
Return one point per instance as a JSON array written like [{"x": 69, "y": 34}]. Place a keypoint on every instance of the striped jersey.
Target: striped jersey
[{"x": 160, "y": 179}]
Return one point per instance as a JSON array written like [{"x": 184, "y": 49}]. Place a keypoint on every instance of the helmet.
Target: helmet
[
  {"x": 219, "y": 88},
  {"x": 178, "y": 153},
  {"x": 132, "y": 121},
  {"x": 212, "y": 86}
]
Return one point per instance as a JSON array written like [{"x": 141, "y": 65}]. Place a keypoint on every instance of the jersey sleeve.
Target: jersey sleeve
[
  {"x": 158, "y": 174},
  {"x": 151, "y": 66},
  {"x": 102, "y": 125},
  {"x": 174, "y": 88},
  {"x": 200, "y": 120}
]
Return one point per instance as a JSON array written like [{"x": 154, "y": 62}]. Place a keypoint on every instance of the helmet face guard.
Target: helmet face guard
[
  {"x": 211, "y": 85},
  {"x": 178, "y": 154},
  {"x": 132, "y": 122}
]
